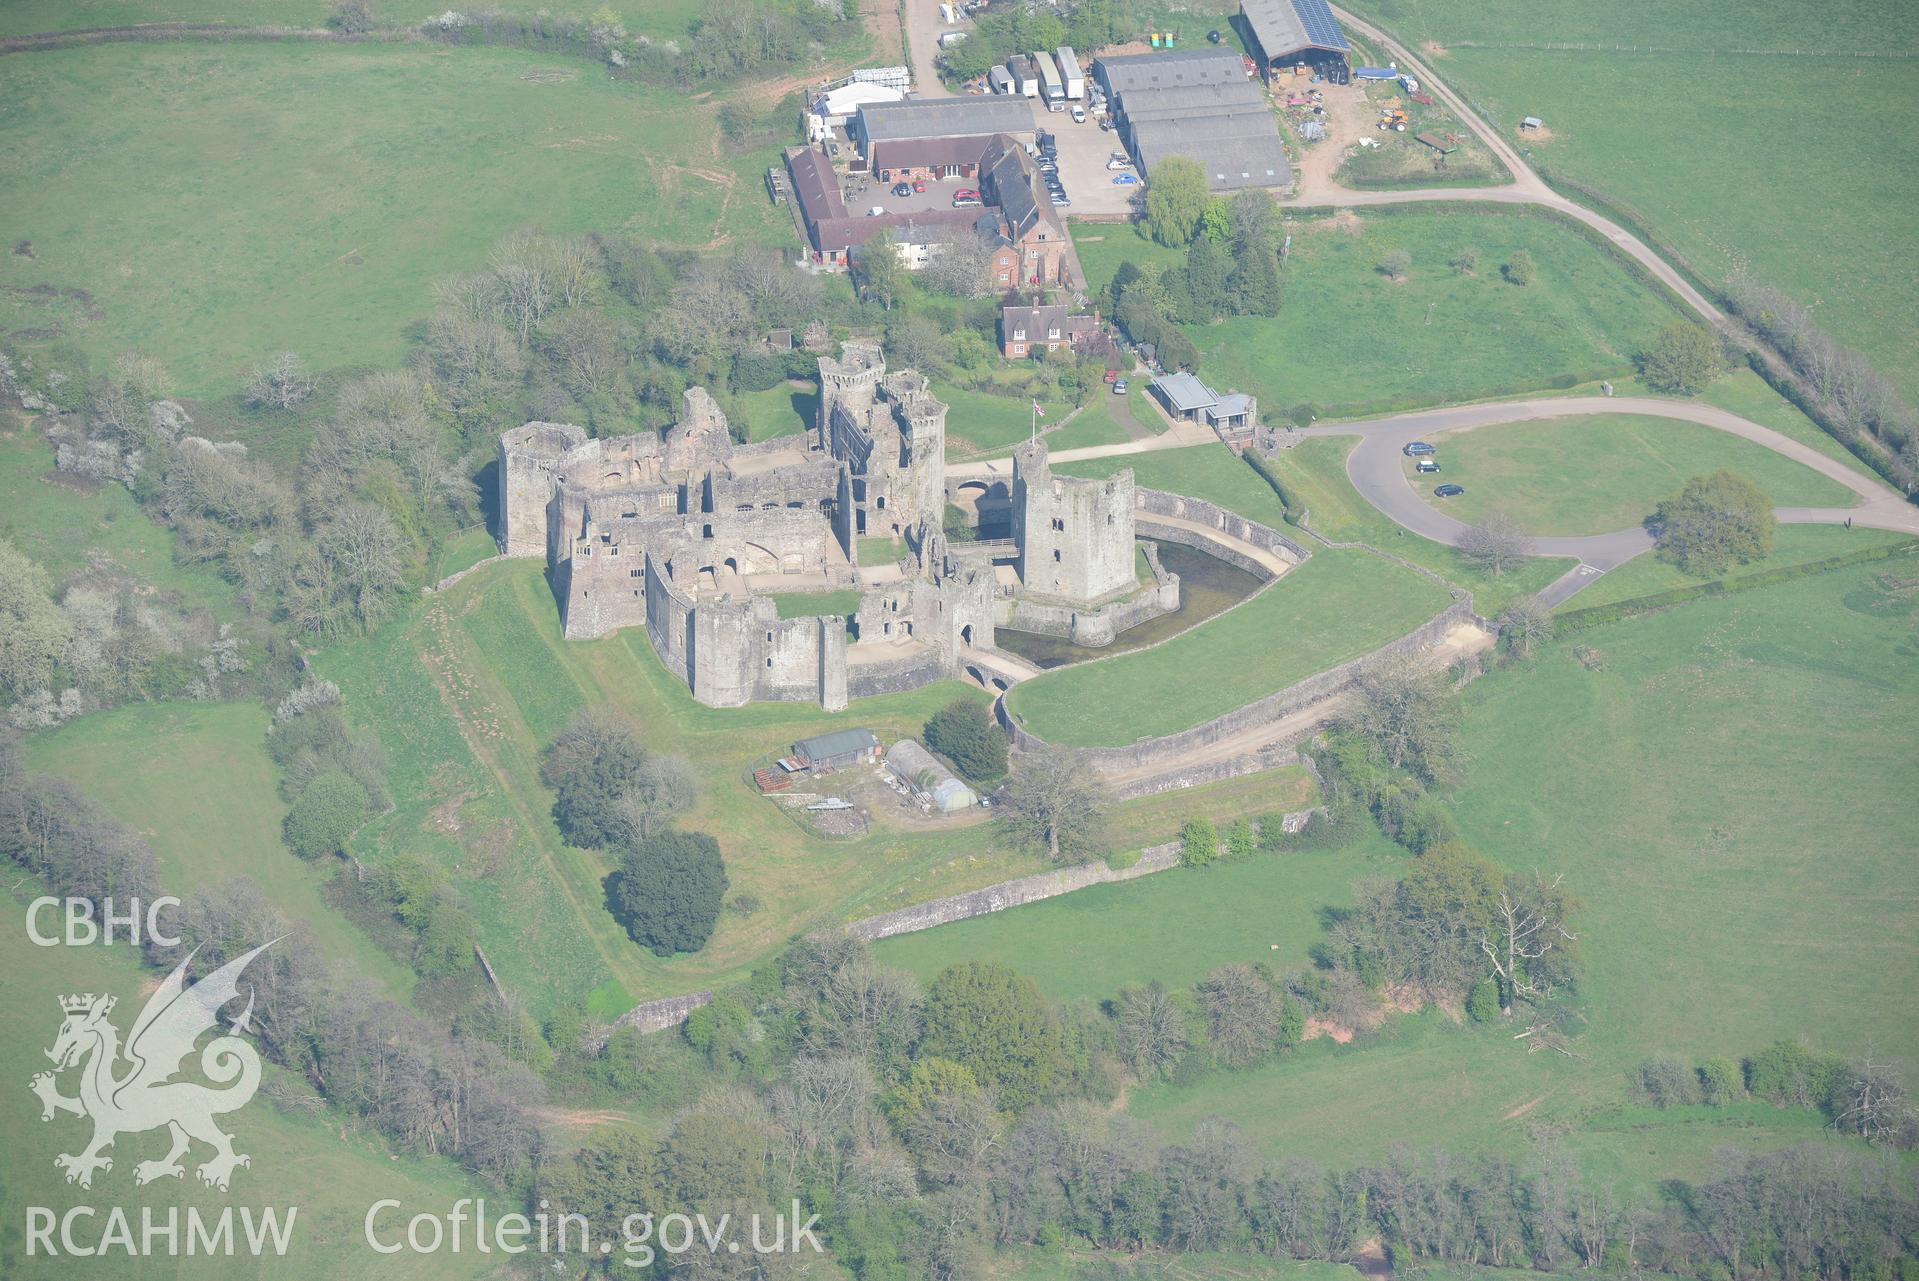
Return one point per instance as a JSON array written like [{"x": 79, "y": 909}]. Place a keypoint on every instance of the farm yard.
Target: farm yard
[
  {"x": 1593, "y": 475},
  {"x": 1349, "y": 341}
]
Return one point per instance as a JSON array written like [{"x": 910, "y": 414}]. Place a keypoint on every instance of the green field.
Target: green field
[
  {"x": 1315, "y": 471},
  {"x": 1206, "y": 471},
  {"x": 667, "y": 18},
  {"x": 1597, "y": 473},
  {"x": 1774, "y": 161},
  {"x": 195, "y": 780},
  {"x": 1350, "y": 341},
  {"x": 212, "y": 204},
  {"x": 1791, "y": 545},
  {"x": 1173, "y": 926},
  {"x": 1721, "y": 785},
  {"x": 333, "y": 1174},
  {"x": 1334, "y": 607},
  {"x": 816, "y": 604},
  {"x": 785, "y": 410},
  {"x": 61, "y": 522},
  {"x": 979, "y": 421}
]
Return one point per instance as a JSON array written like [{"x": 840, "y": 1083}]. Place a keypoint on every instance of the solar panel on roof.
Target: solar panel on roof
[{"x": 1321, "y": 27}]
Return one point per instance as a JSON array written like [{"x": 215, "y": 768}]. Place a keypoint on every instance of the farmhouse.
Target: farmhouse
[
  {"x": 1200, "y": 105},
  {"x": 692, "y": 536},
  {"x": 1294, "y": 33}
]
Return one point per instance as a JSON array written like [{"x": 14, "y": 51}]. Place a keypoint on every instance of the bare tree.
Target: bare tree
[
  {"x": 1496, "y": 545},
  {"x": 1150, "y": 1030},
  {"x": 573, "y": 266},
  {"x": 586, "y": 349},
  {"x": 1529, "y": 926},
  {"x": 1242, "y": 1013},
  {"x": 1055, "y": 801},
  {"x": 281, "y": 381},
  {"x": 366, "y": 557},
  {"x": 1526, "y": 625},
  {"x": 1402, "y": 704},
  {"x": 1871, "y": 1100}
]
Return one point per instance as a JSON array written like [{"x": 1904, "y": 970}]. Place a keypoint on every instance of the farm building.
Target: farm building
[
  {"x": 982, "y": 117},
  {"x": 1198, "y": 104},
  {"x": 1289, "y": 33},
  {"x": 929, "y": 780},
  {"x": 841, "y": 747}
]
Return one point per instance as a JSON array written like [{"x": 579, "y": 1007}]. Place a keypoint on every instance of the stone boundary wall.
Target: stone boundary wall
[
  {"x": 997, "y": 898},
  {"x": 651, "y": 1016},
  {"x": 1158, "y": 502},
  {"x": 1171, "y": 747},
  {"x": 1178, "y": 778},
  {"x": 451, "y": 579}
]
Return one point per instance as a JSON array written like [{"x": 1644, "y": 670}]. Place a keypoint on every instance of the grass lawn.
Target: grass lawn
[
  {"x": 1748, "y": 395},
  {"x": 331, "y": 1174},
  {"x": 1208, "y": 471},
  {"x": 1092, "y": 425},
  {"x": 1731, "y": 779},
  {"x": 1598, "y": 473},
  {"x": 1350, "y": 341},
  {"x": 59, "y": 522},
  {"x": 1698, "y": 145},
  {"x": 785, "y": 410},
  {"x": 1315, "y": 470},
  {"x": 982, "y": 421},
  {"x": 878, "y": 549},
  {"x": 1336, "y": 606},
  {"x": 212, "y": 204},
  {"x": 1173, "y": 926},
  {"x": 1791, "y": 545},
  {"x": 194, "y": 779},
  {"x": 816, "y": 604}
]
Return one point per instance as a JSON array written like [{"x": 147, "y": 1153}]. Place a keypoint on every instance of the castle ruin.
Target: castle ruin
[{"x": 695, "y": 537}]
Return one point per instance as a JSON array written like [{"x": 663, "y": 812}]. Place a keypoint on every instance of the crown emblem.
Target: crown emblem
[{"x": 81, "y": 1003}]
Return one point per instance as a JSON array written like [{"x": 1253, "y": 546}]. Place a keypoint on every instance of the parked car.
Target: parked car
[
  {"x": 902, "y": 188},
  {"x": 1417, "y": 448},
  {"x": 1449, "y": 491},
  {"x": 1061, "y": 200},
  {"x": 1112, "y": 375},
  {"x": 1119, "y": 387},
  {"x": 1119, "y": 162},
  {"x": 919, "y": 186},
  {"x": 1079, "y": 115},
  {"x": 876, "y": 211},
  {"x": 1124, "y": 180},
  {"x": 1426, "y": 466}
]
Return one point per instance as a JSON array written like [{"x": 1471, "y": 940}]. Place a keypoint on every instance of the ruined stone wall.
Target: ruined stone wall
[
  {"x": 920, "y": 667},
  {"x": 997, "y": 898},
  {"x": 532, "y": 458}
]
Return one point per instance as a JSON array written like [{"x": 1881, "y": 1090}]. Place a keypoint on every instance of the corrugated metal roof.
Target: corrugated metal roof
[
  {"x": 1167, "y": 100},
  {"x": 941, "y": 117},
  {"x": 925, "y": 773},
  {"x": 841, "y": 742},
  {"x": 1231, "y": 159},
  {"x": 1179, "y": 67}
]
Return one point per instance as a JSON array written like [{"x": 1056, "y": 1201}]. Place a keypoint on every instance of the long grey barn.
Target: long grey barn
[
  {"x": 1289, "y": 32},
  {"x": 1196, "y": 103}
]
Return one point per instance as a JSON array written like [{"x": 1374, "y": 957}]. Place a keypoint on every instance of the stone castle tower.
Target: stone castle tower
[{"x": 1075, "y": 536}]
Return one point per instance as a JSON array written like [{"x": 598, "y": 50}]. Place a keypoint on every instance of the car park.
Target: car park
[
  {"x": 1124, "y": 180},
  {"x": 1417, "y": 448},
  {"x": 1449, "y": 491}
]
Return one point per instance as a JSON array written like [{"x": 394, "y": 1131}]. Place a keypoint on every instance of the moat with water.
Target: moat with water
[{"x": 1207, "y": 585}]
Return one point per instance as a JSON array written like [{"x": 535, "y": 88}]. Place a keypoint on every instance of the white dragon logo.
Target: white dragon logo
[{"x": 146, "y": 1096}]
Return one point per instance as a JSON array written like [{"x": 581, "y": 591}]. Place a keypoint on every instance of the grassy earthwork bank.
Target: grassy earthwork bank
[
  {"x": 1720, "y": 784},
  {"x": 1597, "y": 473},
  {"x": 1334, "y": 607},
  {"x": 1742, "y": 136},
  {"x": 1350, "y": 341},
  {"x": 299, "y": 1159},
  {"x": 212, "y": 204}
]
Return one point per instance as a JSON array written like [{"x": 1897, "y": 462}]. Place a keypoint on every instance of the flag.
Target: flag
[{"x": 1037, "y": 410}]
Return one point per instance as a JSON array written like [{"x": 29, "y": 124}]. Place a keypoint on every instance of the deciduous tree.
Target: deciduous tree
[
  {"x": 1057, "y": 803},
  {"x": 1682, "y": 359},
  {"x": 1176, "y": 201},
  {"x": 668, "y": 891}
]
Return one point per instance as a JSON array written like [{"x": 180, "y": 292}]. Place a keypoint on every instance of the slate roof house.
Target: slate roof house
[{"x": 1027, "y": 329}]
